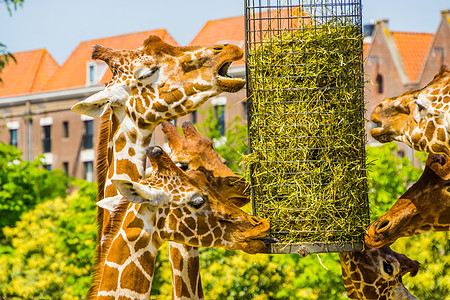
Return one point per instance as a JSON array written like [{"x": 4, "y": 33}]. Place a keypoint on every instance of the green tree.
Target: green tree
[
  {"x": 233, "y": 144},
  {"x": 6, "y": 56},
  {"x": 53, "y": 246},
  {"x": 389, "y": 177},
  {"x": 24, "y": 184}
]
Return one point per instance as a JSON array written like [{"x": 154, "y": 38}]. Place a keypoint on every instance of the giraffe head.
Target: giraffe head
[
  {"x": 184, "y": 208},
  {"x": 159, "y": 82},
  {"x": 425, "y": 206},
  {"x": 194, "y": 152},
  {"x": 377, "y": 274},
  {"x": 419, "y": 118}
]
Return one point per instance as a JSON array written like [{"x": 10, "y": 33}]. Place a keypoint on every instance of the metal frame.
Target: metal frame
[{"x": 261, "y": 12}]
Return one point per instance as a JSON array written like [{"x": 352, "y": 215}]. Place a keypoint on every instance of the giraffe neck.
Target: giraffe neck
[
  {"x": 128, "y": 266},
  {"x": 126, "y": 152},
  {"x": 358, "y": 285},
  {"x": 185, "y": 264},
  {"x": 122, "y": 151},
  {"x": 352, "y": 285}
]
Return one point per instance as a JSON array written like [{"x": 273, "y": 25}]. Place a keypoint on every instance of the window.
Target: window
[
  {"x": 92, "y": 74},
  {"x": 88, "y": 134},
  {"x": 48, "y": 167},
  {"x": 194, "y": 117},
  {"x": 13, "y": 137},
  {"x": 219, "y": 112},
  {"x": 89, "y": 171},
  {"x": 46, "y": 141},
  {"x": 379, "y": 81},
  {"x": 66, "y": 167},
  {"x": 66, "y": 129}
]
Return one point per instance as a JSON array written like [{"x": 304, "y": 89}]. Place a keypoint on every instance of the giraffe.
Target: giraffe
[
  {"x": 169, "y": 205},
  {"x": 369, "y": 274},
  {"x": 419, "y": 118},
  {"x": 425, "y": 206},
  {"x": 153, "y": 84},
  {"x": 376, "y": 274},
  {"x": 194, "y": 152}
]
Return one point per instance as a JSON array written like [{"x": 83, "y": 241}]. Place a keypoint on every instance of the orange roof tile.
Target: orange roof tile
[
  {"x": 72, "y": 73},
  {"x": 413, "y": 49},
  {"x": 213, "y": 33},
  {"x": 32, "y": 70},
  {"x": 232, "y": 30}
]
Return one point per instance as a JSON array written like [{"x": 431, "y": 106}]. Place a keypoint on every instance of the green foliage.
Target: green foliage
[
  {"x": 389, "y": 177},
  {"x": 231, "y": 146},
  {"x": 24, "y": 184},
  {"x": 6, "y": 56},
  {"x": 12, "y": 4},
  {"x": 52, "y": 249},
  {"x": 432, "y": 250}
]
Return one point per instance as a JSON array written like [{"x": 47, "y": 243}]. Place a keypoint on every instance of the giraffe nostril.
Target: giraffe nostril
[
  {"x": 218, "y": 48},
  {"x": 256, "y": 220},
  {"x": 382, "y": 226}
]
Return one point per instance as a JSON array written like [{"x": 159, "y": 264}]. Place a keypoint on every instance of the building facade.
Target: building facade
[{"x": 36, "y": 94}]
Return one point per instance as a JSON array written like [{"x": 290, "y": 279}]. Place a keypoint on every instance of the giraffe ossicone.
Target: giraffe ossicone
[
  {"x": 424, "y": 207},
  {"x": 419, "y": 118},
  {"x": 195, "y": 152}
]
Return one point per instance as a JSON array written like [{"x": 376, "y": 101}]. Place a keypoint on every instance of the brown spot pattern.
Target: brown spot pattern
[
  {"x": 160, "y": 107},
  {"x": 119, "y": 251},
  {"x": 147, "y": 262},
  {"x": 120, "y": 142},
  {"x": 133, "y": 279},
  {"x": 142, "y": 242},
  {"x": 126, "y": 167},
  {"x": 134, "y": 228},
  {"x": 112, "y": 276}
]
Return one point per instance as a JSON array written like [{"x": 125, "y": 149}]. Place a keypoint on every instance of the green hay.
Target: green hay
[{"x": 307, "y": 164}]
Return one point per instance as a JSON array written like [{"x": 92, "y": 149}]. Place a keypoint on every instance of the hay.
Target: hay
[{"x": 307, "y": 139}]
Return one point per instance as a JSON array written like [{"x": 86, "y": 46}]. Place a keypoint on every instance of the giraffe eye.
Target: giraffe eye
[
  {"x": 197, "y": 202},
  {"x": 183, "y": 166},
  {"x": 388, "y": 268},
  {"x": 147, "y": 73}
]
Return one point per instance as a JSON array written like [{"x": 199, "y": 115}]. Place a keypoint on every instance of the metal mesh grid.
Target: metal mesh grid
[{"x": 306, "y": 122}]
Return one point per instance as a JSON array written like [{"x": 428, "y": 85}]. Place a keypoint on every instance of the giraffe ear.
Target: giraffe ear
[
  {"x": 96, "y": 105},
  {"x": 140, "y": 193},
  {"x": 109, "y": 203}
]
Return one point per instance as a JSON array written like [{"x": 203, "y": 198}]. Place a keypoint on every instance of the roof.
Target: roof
[
  {"x": 31, "y": 72},
  {"x": 413, "y": 49},
  {"x": 232, "y": 30},
  {"x": 72, "y": 73},
  {"x": 213, "y": 33}
]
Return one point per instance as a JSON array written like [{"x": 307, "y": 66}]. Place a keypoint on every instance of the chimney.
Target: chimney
[{"x": 384, "y": 23}]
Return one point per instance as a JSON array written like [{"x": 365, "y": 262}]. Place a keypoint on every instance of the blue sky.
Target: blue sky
[{"x": 59, "y": 25}]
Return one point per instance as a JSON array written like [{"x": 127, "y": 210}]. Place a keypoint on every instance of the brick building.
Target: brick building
[
  {"x": 36, "y": 96},
  {"x": 37, "y": 93}
]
